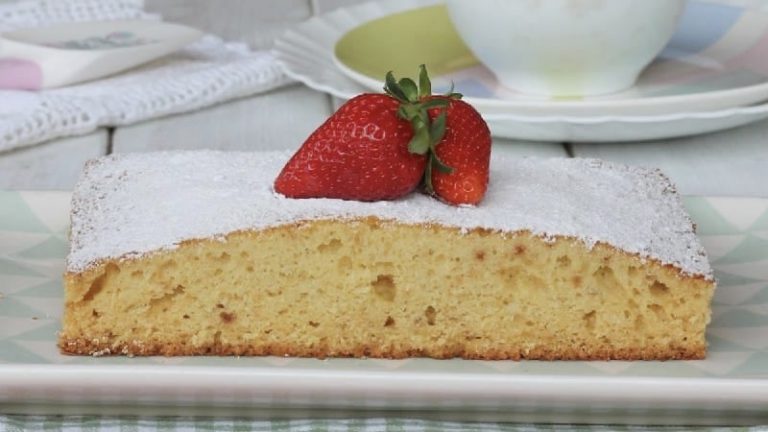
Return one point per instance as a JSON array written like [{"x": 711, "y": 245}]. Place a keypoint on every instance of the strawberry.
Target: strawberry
[
  {"x": 379, "y": 147},
  {"x": 359, "y": 153},
  {"x": 456, "y": 141},
  {"x": 466, "y": 149}
]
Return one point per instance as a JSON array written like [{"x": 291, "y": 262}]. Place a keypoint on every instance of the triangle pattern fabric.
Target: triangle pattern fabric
[
  {"x": 11, "y": 307},
  {"x": 754, "y": 366},
  {"x": 718, "y": 344},
  {"x": 721, "y": 363},
  {"x": 741, "y": 213},
  {"x": 11, "y": 284},
  {"x": 761, "y": 234},
  {"x": 671, "y": 369},
  {"x": 611, "y": 367},
  {"x": 12, "y": 327},
  {"x": 45, "y": 350},
  {"x": 757, "y": 270},
  {"x": 501, "y": 366},
  {"x": 760, "y": 309},
  {"x": 49, "y": 288},
  {"x": 53, "y": 267},
  {"x": 738, "y": 294},
  {"x": 14, "y": 242},
  {"x": 171, "y": 361},
  {"x": 278, "y": 361},
  {"x": 410, "y": 364},
  {"x": 46, "y": 307},
  {"x": 760, "y": 297},
  {"x": 580, "y": 368},
  {"x": 15, "y": 215},
  {"x": 199, "y": 361},
  {"x": 40, "y": 204},
  {"x": 46, "y": 332},
  {"x": 719, "y": 309},
  {"x": 749, "y": 337},
  {"x": 12, "y": 352},
  {"x": 720, "y": 245},
  {"x": 728, "y": 279},
  {"x": 738, "y": 318},
  {"x": 761, "y": 224},
  {"x": 13, "y": 267},
  {"x": 388, "y": 364},
  {"x": 708, "y": 218},
  {"x": 751, "y": 249},
  {"x": 51, "y": 247}
]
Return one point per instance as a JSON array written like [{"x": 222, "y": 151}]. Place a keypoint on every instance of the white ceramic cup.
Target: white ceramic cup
[{"x": 566, "y": 47}]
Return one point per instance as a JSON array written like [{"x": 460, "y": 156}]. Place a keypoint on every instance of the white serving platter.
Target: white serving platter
[{"x": 729, "y": 387}]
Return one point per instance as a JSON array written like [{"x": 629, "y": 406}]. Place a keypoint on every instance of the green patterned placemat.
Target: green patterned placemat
[{"x": 142, "y": 424}]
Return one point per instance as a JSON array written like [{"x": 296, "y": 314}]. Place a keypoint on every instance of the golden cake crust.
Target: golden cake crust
[{"x": 179, "y": 348}]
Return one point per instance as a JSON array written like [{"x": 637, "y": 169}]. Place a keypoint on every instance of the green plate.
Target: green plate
[{"x": 401, "y": 42}]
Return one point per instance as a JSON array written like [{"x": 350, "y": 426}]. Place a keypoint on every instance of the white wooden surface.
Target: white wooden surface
[
  {"x": 733, "y": 162},
  {"x": 256, "y": 22},
  {"x": 276, "y": 120},
  {"x": 52, "y": 165},
  {"x": 322, "y": 6},
  {"x": 729, "y": 163}
]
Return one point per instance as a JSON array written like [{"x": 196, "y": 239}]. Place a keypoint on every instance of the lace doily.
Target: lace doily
[{"x": 207, "y": 72}]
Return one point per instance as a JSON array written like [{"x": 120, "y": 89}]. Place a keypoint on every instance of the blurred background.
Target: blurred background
[{"x": 724, "y": 163}]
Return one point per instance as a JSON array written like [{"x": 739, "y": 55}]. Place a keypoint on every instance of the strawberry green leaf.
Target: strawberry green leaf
[
  {"x": 440, "y": 165},
  {"x": 402, "y": 112},
  {"x": 425, "y": 85},
  {"x": 409, "y": 88},
  {"x": 415, "y": 104},
  {"x": 452, "y": 94},
  {"x": 428, "y": 175},
  {"x": 420, "y": 142},
  {"x": 410, "y": 112},
  {"x": 437, "y": 129},
  {"x": 393, "y": 89}
]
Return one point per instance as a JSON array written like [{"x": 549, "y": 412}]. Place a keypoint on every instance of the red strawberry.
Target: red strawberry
[
  {"x": 466, "y": 149},
  {"x": 456, "y": 140},
  {"x": 359, "y": 153},
  {"x": 378, "y": 147}
]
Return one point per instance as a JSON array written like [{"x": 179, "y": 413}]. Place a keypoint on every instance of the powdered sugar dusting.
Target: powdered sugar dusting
[{"x": 132, "y": 204}]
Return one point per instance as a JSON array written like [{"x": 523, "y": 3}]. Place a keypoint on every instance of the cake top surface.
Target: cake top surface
[{"x": 132, "y": 204}]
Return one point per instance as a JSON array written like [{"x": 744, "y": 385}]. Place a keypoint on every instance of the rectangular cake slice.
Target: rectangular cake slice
[{"x": 193, "y": 253}]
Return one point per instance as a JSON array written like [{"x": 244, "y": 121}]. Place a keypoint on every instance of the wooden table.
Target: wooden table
[{"x": 733, "y": 162}]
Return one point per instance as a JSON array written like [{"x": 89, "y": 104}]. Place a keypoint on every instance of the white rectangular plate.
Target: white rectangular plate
[{"x": 729, "y": 387}]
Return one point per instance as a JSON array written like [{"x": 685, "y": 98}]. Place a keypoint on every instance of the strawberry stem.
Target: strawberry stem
[{"x": 415, "y": 102}]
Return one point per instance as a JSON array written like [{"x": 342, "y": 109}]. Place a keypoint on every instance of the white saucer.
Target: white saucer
[
  {"x": 621, "y": 128},
  {"x": 65, "y": 54},
  {"x": 307, "y": 54},
  {"x": 704, "y": 67}
]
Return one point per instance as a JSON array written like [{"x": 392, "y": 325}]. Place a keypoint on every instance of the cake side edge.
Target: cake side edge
[{"x": 79, "y": 285}]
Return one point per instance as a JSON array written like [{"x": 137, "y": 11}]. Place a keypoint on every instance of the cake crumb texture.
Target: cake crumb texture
[{"x": 384, "y": 288}]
